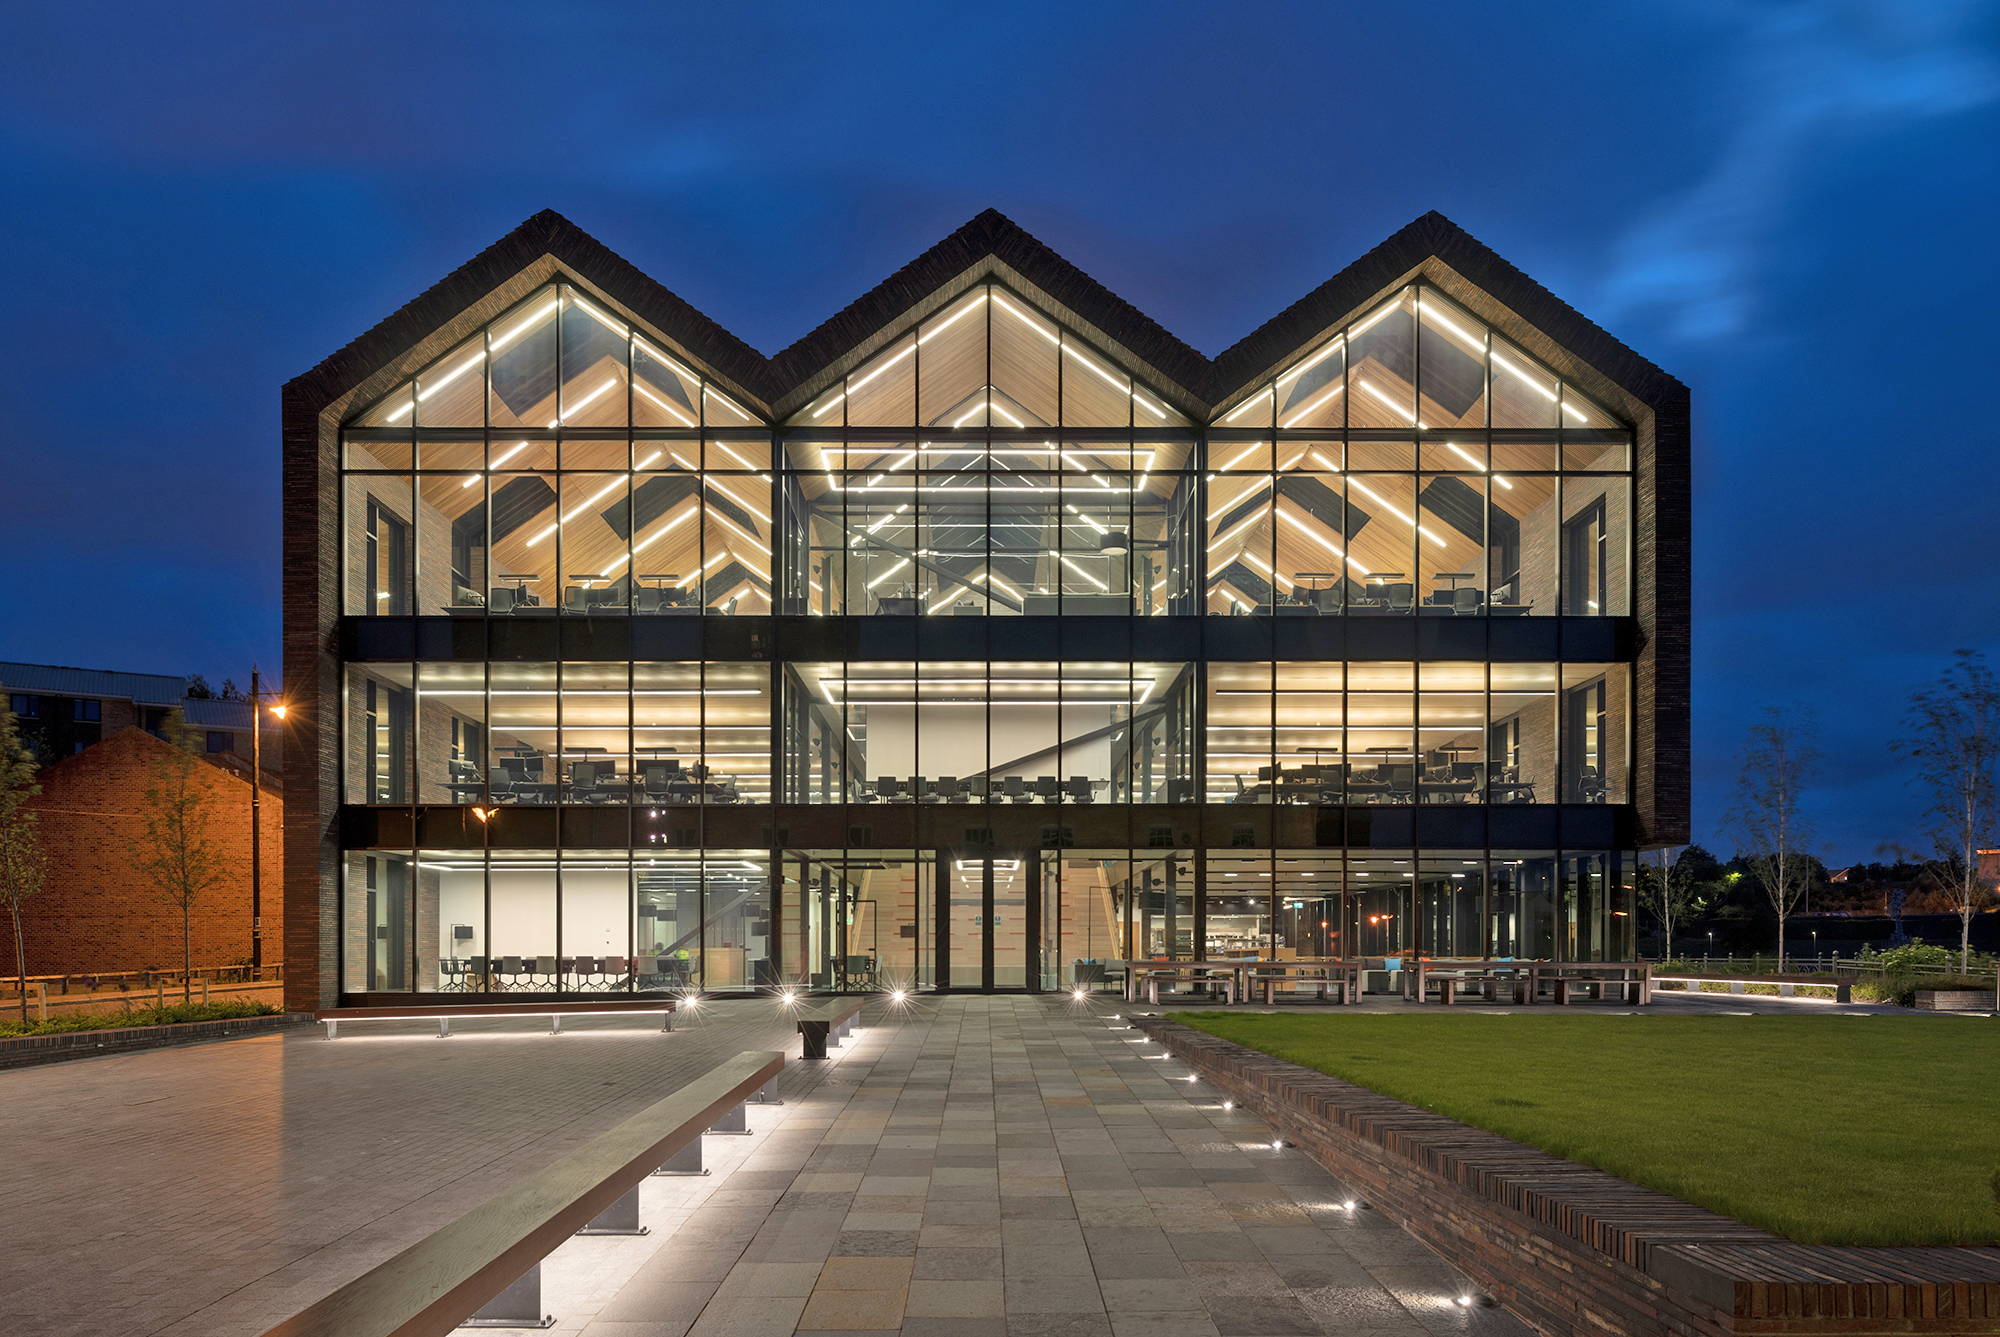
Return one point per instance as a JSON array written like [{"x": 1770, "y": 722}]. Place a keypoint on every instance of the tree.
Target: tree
[
  {"x": 24, "y": 863},
  {"x": 1667, "y": 888},
  {"x": 1955, "y": 742},
  {"x": 176, "y": 854},
  {"x": 198, "y": 689},
  {"x": 1771, "y": 827}
]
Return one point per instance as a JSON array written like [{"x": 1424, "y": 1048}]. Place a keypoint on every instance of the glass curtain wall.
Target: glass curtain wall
[
  {"x": 1048, "y": 733},
  {"x": 576, "y": 734},
  {"x": 1374, "y": 732},
  {"x": 1417, "y": 464},
  {"x": 557, "y": 463},
  {"x": 987, "y": 463}
]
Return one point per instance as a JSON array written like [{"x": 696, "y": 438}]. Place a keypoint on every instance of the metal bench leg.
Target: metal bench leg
[
  {"x": 765, "y": 1094},
  {"x": 555, "y": 1024},
  {"x": 666, "y": 1022},
  {"x": 444, "y": 1033},
  {"x": 684, "y": 1163},
  {"x": 620, "y": 1218},
  {"x": 813, "y": 1036},
  {"x": 1444, "y": 992},
  {"x": 1153, "y": 992},
  {"x": 333, "y": 1028},
  {"x": 735, "y": 1123},
  {"x": 519, "y": 1306}
]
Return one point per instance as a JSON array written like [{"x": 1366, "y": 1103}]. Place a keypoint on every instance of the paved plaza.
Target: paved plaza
[{"x": 1003, "y": 1166}]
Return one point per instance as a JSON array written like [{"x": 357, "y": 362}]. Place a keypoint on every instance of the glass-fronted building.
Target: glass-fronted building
[{"x": 987, "y": 635}]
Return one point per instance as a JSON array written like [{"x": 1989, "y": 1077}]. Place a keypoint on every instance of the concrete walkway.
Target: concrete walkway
[
  {"x": 1008, "y": 1167},
  {"x": 1005, "y": 1165}
]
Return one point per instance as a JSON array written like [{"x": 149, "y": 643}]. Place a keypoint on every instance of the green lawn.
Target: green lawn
[{"x": 1838, "y": 1129}]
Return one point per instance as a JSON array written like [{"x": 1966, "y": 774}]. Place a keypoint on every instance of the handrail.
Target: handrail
[{"x": 431, "y": 1287}]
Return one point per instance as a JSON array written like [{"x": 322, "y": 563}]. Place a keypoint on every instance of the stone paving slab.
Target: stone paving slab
[{"x": 965, "y": 1167}]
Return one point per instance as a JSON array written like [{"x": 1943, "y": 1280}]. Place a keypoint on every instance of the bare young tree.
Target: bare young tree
[
  {"x": 24, "y": 864},
  {"x": 1667, "y": 889},
  {"x": 1954, "y": 740},
  {"x": 1771, "y": 828},
  {"x": 176, "y": 854}
]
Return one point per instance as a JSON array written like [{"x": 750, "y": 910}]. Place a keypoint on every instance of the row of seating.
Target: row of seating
[
  {"x": 1397, "y": 597},
  {"x": 978, "y": 789},
  {"x": 663, "y": 782},
  {"x": 567, "y": 974}
]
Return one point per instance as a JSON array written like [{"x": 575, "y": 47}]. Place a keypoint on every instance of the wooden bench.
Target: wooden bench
[
  {"x": 485, "y": 1267},
  {"x": 823, "y": 1026},
  {"x": 443, "y": 1013},
  {"x": 1322, "y": 977}
]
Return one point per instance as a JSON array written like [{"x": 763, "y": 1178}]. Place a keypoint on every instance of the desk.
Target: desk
[{"x": 1384, "y": 575}]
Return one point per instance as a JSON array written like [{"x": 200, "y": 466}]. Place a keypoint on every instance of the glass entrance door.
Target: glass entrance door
[{"x": 991, "y": 922}]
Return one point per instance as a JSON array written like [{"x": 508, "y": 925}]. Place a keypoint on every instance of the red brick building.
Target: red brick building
[{"x": 97, "y": 915}]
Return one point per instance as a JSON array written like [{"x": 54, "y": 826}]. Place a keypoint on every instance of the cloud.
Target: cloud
[{"x": 1807, "y": 77}]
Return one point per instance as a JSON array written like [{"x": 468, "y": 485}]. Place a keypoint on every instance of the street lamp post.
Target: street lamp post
[{"x": 257, "y": 823}]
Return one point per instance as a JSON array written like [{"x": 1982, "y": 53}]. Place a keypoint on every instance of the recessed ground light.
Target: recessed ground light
[
  {"x": 788, "y": 998},
  {"x": 1078, "y": 995},
  {"x": 1193, "y": 1078},
  {"x": 898, "y": 996},
  {"x": 1349, "y": 1205},
  {"x": 1229, "y": 1104}
]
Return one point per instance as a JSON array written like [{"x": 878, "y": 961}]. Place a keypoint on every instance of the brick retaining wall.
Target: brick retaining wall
[{"x": 1573, "y": 1250}]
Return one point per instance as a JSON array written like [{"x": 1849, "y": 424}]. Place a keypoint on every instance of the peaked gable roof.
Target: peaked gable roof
[{"x": 990, "y": 244}]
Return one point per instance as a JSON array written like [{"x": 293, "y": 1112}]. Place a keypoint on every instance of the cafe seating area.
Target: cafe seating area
[
  {"x": 524, "y": 779},
  {"x": 1441, "y": 780},
  {"x": 562, "y": 974}
]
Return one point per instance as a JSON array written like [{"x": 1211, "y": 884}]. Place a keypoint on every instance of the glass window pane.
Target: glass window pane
[
  {"x": 1595, "y": 546},
  {"x": 378, "y": 923},
  {"x": 1382, "y": 534},
  {"x": 596, "y": 922},
  {"x": 451, "y": 734},
  {"x": 1026, "y": 350},
  {"x": 1096, "y": 393},
  {"x": 452, "y": 391},
  {"x": 1380, "y": 883},
  {"x": 381, "y": 546},
  {"x": 1595, "y": 735},
  {"x": 1240, "y": 739},
  {"x": 1258, "y": 411},
  {"x": 381, "y": 734},
  {"x": 1521, "y": 545},
  {"x": 594, "y": 351},
  {"x": 524, "y": 526},
  {"x": 1524, "y": 394},
  {"x": 883, "y": 391},
  {"x": 521, "y": 718},
  {"x": 736, "y": 733},
  {"x": 1520, "y": 734},
  {"x": 719, "y": 410},
  {"x": 952, "y": 367},
  {"x": 666, "y": 734},
  {"x": 1451, "y": 903},
  {"x": 595, "y": 520},
  {"x": 522, "y": 901},
  {"x": 1451, "y": 529},
  {"x": 1310, "y": 718},
  {"x": 664, "y": 393},
  {"x": 1452, "y": 355},
  {"x": 1381, "y": 717},
  {"x": 523, "y": 359},
  {"x": 451, "y": 914},
  {"x": 1381, "y": 383},
  {"x": 1314, "y": 393},
  {"x": 1522, "y": 905}
]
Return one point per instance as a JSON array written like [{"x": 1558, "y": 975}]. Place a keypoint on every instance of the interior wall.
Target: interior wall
[{"x": 934, "y": 740}]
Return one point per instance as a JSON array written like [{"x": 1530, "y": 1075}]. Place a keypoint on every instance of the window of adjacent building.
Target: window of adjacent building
[
  {"x": 221, "y": 742},
  {"x": 85, "y": 710},
  {"x": 21, "y": 705}
]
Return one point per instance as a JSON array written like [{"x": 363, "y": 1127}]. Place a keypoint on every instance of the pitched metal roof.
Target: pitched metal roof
[
  {"x": 151, "y": 689},
  {"x": 990, "y": 244}
]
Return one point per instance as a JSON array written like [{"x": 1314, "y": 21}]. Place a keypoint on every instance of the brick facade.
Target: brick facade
[{"x": 97, "y": 915}]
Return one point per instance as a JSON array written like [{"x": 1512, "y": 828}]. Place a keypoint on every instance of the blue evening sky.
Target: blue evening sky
[{"x": 1790, "y": 206}]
